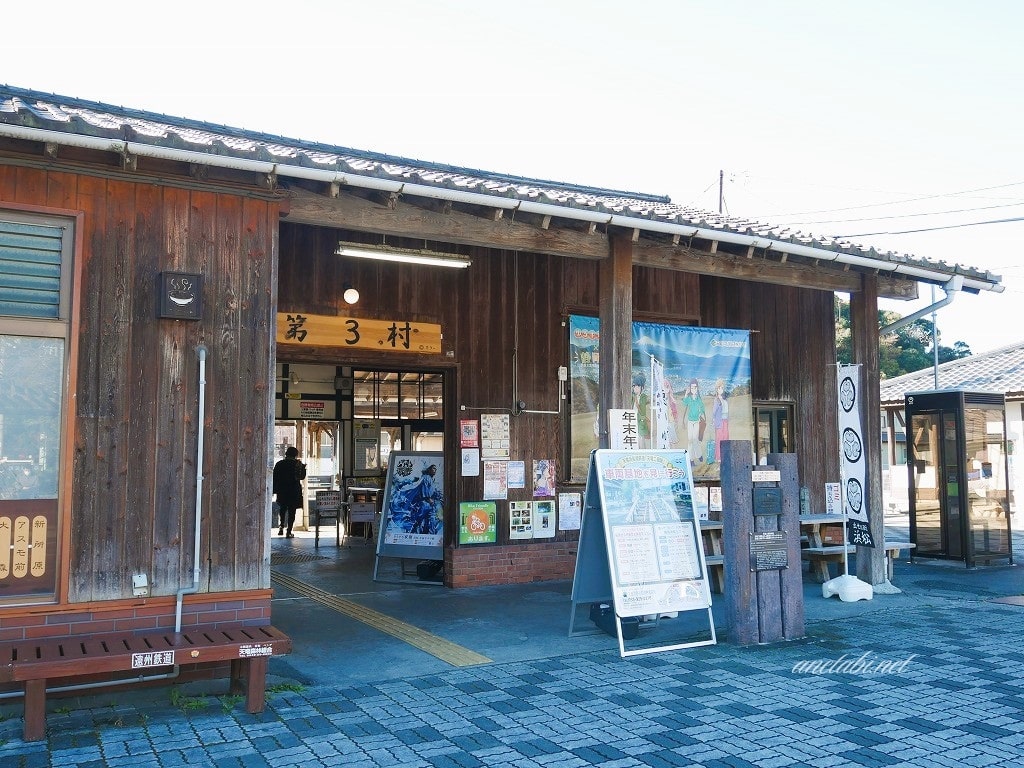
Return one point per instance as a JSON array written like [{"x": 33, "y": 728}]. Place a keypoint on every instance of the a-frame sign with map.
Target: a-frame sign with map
[{"x": 640, "y": 548}]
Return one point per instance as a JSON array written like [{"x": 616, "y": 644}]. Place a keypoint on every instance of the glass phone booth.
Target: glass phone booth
[{"x": 958, "y": 478}]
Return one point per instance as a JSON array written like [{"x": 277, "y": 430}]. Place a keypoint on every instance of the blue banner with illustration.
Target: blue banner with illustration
[{"x": 690, "y": 388}]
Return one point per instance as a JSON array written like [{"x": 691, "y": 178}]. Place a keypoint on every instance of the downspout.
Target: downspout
[
  {"x": 951, "y": 287},
  {"x": 180, "y": 595}
]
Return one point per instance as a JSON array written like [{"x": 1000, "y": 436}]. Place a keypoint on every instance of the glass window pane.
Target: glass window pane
[{"x": 31, "y": 377}]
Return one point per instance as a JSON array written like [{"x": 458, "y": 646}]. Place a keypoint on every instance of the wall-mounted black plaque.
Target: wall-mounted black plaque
[
  {"x": 767, "y": 501},
  {"x": 181, "y": 295},
  {"x": 768, "y": 551}
]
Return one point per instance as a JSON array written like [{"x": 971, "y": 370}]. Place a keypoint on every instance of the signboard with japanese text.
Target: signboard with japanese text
[
  {"x": 304, "y": 329},
  {"x": 312, "y": 409},
  {"x": 28, "y": 548},
  {"x": 640, "y": 541}
]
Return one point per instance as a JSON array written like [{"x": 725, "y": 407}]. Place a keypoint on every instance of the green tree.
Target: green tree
[{"x": 906, "y": 350}]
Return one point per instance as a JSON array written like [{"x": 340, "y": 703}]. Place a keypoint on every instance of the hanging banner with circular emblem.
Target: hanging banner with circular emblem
[{"x": 851, "y": 457}]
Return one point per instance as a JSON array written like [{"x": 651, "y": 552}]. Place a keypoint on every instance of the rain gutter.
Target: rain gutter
[{"x": 130, "y": 148}]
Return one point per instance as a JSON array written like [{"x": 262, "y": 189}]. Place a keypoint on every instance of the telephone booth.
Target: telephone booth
[{"x": 958, "y": 476}]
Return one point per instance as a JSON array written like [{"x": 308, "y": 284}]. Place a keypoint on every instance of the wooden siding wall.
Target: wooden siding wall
[
  {"x": 793, "y": 358},
  {"x": 502, "y": 319},
  {"x": 134, "y": 490}
]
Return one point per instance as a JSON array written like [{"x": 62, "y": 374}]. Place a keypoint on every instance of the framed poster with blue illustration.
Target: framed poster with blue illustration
[{"x": 412, "y": 510}]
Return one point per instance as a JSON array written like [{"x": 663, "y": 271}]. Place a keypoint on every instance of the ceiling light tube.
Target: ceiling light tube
[{"x": 404, "y": 255}]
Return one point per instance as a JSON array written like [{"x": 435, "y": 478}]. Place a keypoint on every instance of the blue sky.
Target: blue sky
[{"x": 865, "y": 119}]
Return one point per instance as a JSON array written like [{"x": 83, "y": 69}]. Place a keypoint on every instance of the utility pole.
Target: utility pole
[
  {"x": 935, "y": 342},
  {"x": 721, "y": 183}
]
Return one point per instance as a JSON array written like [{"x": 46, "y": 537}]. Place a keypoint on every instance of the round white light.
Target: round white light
[{"x": 351, "y": 295}]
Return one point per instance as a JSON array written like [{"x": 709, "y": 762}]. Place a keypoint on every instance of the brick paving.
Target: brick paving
[{"x": 957, "y": 701}]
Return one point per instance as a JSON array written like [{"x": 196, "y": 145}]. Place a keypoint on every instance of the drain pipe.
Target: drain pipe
[
  {"x": 951, "y": 287},
  {"x": 180, "y": 595}
]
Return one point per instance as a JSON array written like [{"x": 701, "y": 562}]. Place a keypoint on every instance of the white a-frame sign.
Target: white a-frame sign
[{"x": 640, "y": 548}]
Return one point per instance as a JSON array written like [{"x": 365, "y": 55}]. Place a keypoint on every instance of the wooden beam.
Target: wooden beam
[
  {"x": 664, "y": 256},
  {"x": 440, "y": 223},
  {"x": 353, "y": 212}
]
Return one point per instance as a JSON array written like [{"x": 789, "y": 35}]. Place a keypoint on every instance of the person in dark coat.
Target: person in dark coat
[{"x": 289, "y": 473}]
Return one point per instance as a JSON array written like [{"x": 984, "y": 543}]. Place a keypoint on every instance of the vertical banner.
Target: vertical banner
[{"x": 851, "y": 449}]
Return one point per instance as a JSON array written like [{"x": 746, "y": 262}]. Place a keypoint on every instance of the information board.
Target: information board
[{"x": 640, "y": 544}]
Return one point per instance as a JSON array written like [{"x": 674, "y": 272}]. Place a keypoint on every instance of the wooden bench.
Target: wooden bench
[
  {"x": 37, "y": 662},
  {"x": 892, "y": 552},
  {"x": 820, "y": 557}
]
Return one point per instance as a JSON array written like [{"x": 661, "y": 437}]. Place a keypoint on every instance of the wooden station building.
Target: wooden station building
[{"x": 152, "y": 270}]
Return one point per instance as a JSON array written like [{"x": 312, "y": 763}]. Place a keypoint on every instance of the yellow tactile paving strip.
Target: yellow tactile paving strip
[{"x": 436, "y": 646}]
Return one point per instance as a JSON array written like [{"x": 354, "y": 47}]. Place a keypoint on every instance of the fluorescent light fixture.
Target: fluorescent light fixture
[{"x": 404, "y": 255}]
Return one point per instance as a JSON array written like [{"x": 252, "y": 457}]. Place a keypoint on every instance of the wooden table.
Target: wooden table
[{"x": 819, "y": 552}]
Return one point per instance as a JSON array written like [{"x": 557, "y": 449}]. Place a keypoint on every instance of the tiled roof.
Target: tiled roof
[
  {"x": 1000, "y": 371},
  {"x": 37, "y": 110}
]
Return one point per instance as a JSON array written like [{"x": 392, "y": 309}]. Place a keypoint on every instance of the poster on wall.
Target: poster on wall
[
  {"x": 478, "y": 522},
  {"x": 469, "y": 433},
  {"x": 544, "y": 519},
  {"x": 690, "y": 389},
  {"x": 517, "y": 474},
  {"x": 520, "y": 520},
  {"x": 366, "y": 447},
  {"x": 495, "y": 479},
  {"x": 543, "y": 478},
  {"x": 570, "y": 511},
  {"x": 412, "y": 512},
  {"x": 470, "y": 462},
  {"x": 495, "y": 435}
]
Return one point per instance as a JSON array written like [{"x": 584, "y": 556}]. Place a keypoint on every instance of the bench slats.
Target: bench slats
[
  {"x": 60, "y": 658},
  {"x": 33, "y": 662}
]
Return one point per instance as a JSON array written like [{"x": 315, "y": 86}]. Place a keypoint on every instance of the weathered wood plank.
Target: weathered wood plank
[
  {"x": 403, "y": 220},
  {"x": 174, "y": 487}
]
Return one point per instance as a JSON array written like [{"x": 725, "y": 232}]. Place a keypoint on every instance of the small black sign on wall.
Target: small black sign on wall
[{"x": 181, "y": 295}]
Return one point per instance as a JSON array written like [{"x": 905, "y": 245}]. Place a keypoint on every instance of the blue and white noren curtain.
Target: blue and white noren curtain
[{"x": 851, "y": 457}]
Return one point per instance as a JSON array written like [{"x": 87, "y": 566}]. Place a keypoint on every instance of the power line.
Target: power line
[
  {"x": 900, "y": 202},
  {"x": 906, "y": 215},
  {"x": 934, "y": 229}
]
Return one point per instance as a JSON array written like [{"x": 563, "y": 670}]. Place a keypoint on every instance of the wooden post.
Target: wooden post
[
  {"x": 864, "y": 342},
  {"x": 761, "y": 606},
  {"x": 615, "y": 314},
  {"x": 791, "y": 579},
  {"x": 737, "y": 524}
]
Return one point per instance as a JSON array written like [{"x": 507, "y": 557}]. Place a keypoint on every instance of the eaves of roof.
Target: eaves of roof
[
  {"x": 49, "y": 117},
  {"x": 1000, "y": 371}
]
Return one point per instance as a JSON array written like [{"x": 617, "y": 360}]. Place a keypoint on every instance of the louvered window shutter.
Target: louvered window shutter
[{"x": 30, "y": 269}]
